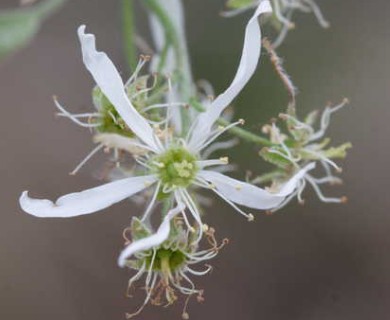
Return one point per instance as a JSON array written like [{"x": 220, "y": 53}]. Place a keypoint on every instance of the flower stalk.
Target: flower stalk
[{"x": 129, "y": 33}]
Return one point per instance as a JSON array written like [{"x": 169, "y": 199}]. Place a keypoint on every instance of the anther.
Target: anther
[
  {"x": 185, "y": 316},
  {"x": 251, "y": 217},
  {"x": 283, "y": 116},
  {"x": 205, "y": 227},
  {"x": 344, "y": 200},
  {"x": 265, "y": 129},
  {"x": 241, "y": 122},
  {"x": 224, "y": 159},
  {"x": 145, "y": 57},
  {"x": 200, "y": 297},
  {"x": 147, "y": 183},
  {"x": 159, "y": 164}
]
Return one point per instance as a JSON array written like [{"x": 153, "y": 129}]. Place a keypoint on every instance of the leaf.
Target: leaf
[
  {"x": 19, "y": 26},
  {"x": 237, "y": 4},
  {"x": 339, "y": 152},
  {"x": 275, "y": 159}
]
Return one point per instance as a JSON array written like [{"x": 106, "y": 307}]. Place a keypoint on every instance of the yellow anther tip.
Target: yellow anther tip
[{"x": 224, "y": 159}]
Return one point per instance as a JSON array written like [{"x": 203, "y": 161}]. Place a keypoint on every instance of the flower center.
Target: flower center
[
  {"x": 166, "y": 260},
  {"x": 176, "y": 168}
]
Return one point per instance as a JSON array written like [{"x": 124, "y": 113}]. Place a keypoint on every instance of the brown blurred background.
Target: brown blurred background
[{"x": 322, "y": 262}]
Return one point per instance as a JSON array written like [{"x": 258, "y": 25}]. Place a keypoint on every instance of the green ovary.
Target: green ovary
[{"x": 175, "y": 168}]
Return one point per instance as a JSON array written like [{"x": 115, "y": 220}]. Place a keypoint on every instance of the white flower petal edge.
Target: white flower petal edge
[
  {"x": 152, "y": 241},
  {"x": 110, "y": 82},
  {"x": 249, "y": 195},
  {"x": 87, "y": 201},
  {"x": 248, "y": 63}
]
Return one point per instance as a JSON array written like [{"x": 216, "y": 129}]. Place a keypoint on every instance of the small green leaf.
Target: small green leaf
[
  {"x": 275, "y": 159},
  {"x": 138, "y": 230},
  {"x": 19, "y": 26},
  {"x": 339, "y": 152}
]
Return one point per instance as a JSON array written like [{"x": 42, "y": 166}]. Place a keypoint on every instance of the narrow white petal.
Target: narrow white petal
[
  {"x": 87, "y": 201},
  {"x": 248, "y": 195},
  {"x": 248, "y": 63},
  {"x": 109, "y": 81},
  {"x": 152, "y": 241}
]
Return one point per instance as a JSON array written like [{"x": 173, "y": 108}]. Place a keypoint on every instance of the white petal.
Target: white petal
[
  {"x": 248, "y": 195},
  {"x": 248, "y": 63},
  {"x": 87, "y": 201},
  {"x": 109, "y": 81},
  {"x": 152, "y": 241}
]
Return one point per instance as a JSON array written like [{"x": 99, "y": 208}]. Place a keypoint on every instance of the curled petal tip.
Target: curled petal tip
[{"x": 81, "y": 29}]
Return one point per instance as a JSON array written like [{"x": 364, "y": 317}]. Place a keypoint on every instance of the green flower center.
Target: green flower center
[
  {"x": 166, "y": 260},
  {"x": 175, "y": 168}
]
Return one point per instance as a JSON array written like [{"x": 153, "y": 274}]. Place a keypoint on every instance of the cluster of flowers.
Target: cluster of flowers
[{"x": 169, "y": 127}]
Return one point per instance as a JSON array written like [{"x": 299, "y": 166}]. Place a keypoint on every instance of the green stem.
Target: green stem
[
  {"x": 128, "y": 25},
  {"x": 173, "y": 39},
  {"x": 239, "y": 132}
]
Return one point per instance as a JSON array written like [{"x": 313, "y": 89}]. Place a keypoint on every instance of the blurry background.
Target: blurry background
[{"x": 314, "y": 262}]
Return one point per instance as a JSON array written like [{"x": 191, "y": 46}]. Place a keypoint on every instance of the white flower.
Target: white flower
[
  {"x": 168, "y": 267},
  {"x": 172, "y": 164}
]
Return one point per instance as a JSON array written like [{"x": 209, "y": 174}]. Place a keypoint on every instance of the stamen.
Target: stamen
[
  {"x": 85, "y": 160},
  {"x": 213, "y": 162},
  {"x": 321, "y": 195},
  {"x": 317, "y": 12},
  {"x": 285, "y": 21},
  {"x": 136, "y": 277},
  {"x": 283, "y": 33},
  {"x": 199, "y": 273},
  {"x": 325, "y": 119},
  {"x": 143, "y": 59},
  {"x": 164, "y": 105},
  {"x": 216, "y": 133},
  {"x": 74, "y": 119},
  {"x": 186, "y": 198},
  {"x": 152, "y": 202},
  {"x": 150, "y": 291},
  {"x": 219, "y": 146}
]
